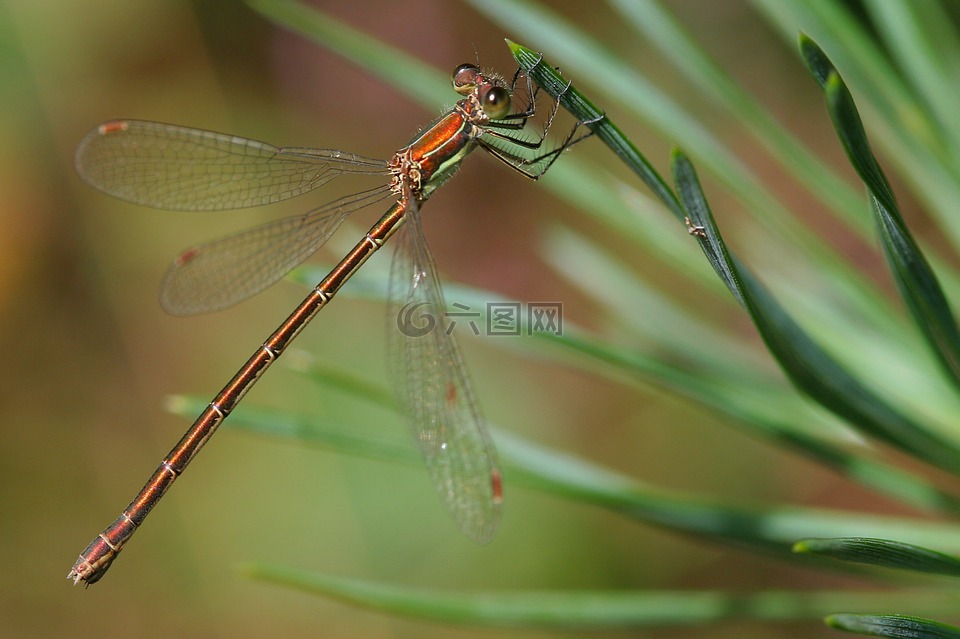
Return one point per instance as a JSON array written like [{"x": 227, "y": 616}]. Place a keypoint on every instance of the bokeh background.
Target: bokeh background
[{"x": 90, "y": 356}]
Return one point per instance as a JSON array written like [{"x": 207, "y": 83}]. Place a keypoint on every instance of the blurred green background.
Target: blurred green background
[{"x": 91, "y": 357}]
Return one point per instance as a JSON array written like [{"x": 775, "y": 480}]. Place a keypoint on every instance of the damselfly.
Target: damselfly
[{"x": 173, "y": 167}]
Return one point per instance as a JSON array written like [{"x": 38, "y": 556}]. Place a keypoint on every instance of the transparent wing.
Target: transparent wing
[
  {"x": 434, "y": 387},
  {"x": 217, "y": 275},
  {"x": 178, "y": 168}
]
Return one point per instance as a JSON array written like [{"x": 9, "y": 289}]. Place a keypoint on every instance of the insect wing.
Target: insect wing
[
  {"x": 436, "y": 392},
  {"x": 217, "y": 275},
  {"x": 183, "y": 169}
]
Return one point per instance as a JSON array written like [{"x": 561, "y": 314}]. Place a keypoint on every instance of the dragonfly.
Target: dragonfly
[{"x": 179, "y": 168}]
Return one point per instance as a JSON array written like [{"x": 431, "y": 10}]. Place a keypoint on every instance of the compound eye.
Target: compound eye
[
  {"x": 496, "y": 103},
  {"x": 466, "y": 77}
]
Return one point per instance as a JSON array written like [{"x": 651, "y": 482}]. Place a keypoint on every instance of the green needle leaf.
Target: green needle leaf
[
  {"x": 915, "y": 279},
  {"x": 898, "y": 626},
  {"x": 539, "y": 467},
  {"x": 810, "y": 368},
  {"x": 770, "y": 411},
  {"x": 579, "y": 610},
  {"x": 882, "y": 552}
]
